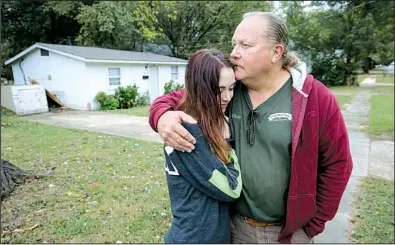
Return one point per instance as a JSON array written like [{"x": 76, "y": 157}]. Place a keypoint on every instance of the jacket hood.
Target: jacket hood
[{"x": 299, "y": 75}]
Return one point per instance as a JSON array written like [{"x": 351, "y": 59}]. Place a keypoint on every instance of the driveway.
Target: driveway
[{"x": 102, "y": 122}]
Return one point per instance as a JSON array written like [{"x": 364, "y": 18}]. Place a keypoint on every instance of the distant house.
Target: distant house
[{"x": 76, "y": 74}]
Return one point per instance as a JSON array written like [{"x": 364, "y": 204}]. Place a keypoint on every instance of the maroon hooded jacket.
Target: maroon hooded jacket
[{"x": 321, "y": 162}]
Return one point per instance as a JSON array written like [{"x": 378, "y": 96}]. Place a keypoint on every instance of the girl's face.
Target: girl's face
[{"x": 227, "y": 83}]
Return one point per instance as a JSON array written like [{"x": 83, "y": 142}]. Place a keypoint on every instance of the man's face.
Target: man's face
[{"x": 252, "y": 52}]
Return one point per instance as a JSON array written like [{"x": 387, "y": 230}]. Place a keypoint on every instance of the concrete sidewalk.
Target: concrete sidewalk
[
  {"x": 103, "y": 122},
  {"x": 381, "y": 152}
]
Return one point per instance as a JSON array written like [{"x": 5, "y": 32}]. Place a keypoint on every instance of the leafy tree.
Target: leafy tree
[
  {"x": 221, "y": 37},
  {"x": 192, "y": 25},
  {"x": 21, "y": 19},
  {"x": 382, "y": 13},
  {"x": 337, "y": 38},
  {"x": 118, "y": 24},
  {"x": 27, "y": 22}
]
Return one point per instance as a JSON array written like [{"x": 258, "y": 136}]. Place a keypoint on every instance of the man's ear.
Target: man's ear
[{"x": 277, "y": 51}]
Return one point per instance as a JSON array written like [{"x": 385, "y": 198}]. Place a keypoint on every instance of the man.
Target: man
[{"x": 290, "y": 138}]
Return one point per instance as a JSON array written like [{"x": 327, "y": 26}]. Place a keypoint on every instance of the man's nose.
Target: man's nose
[{"x": 235, "y": 53}]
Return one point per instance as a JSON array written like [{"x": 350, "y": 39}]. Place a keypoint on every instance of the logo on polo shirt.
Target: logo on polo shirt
[
  {"x": 236, "y": 116},
  {"x": 280, "y": 117}
]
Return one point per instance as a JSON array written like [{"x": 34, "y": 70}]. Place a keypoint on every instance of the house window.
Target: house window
[
  {"x": 174, "y": 73},
  {"x": 114, "y": 76},
  {"x": 44, "y": 52}
]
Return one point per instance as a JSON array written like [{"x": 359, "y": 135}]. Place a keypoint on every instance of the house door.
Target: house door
[{"x": 154, "y": 82}]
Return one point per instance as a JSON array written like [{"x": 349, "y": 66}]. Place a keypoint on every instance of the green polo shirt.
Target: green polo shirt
[{"x": 265, "y": 165}]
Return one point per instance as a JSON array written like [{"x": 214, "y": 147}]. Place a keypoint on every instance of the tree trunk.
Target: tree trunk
[{"x": 11, "y": 176}]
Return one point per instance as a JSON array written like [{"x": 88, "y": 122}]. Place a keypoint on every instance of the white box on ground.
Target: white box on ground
[{"x": 24, "y": 99}]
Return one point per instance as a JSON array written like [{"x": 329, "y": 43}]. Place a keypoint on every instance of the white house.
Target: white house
[{"x": 76, "y": 74}]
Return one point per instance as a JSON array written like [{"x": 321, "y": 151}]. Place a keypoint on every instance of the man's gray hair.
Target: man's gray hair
[{"x": 277, "y": 32}]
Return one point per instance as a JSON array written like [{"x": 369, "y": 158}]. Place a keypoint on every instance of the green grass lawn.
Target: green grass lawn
[
  {"x": 381, "y": 118},
  {"x": 382, "y": 79},
  {"x": 141, "y": 111},
  {"x": 374, "y": 214},
  {"x": 343, "y": 100},
  {"x": 103, "y": 188},
  {"x": 352, "y": 90},
  {"x": 344, "y": 94},
  {"x": 384, "y": 90}
]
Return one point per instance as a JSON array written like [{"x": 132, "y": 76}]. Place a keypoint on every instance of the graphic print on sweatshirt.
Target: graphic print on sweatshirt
[{"x": 172, "y": 170}]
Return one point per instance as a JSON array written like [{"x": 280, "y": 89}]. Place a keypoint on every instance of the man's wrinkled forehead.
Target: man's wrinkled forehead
[{"x": 250, "y": 29}]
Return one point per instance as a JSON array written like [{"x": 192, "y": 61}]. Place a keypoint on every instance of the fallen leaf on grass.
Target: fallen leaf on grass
[
  {"x": 20, "y": 230},
  {"x": 30, "y": 180},
  {"x": 72, "y": 194},
  {"x": 127, "y": 177}
]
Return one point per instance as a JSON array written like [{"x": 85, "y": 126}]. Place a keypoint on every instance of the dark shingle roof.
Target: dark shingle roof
[{"x": 110, "y": 54}]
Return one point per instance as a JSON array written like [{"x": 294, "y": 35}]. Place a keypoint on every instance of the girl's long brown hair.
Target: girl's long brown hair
[{"x": 201, "y": 97}]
